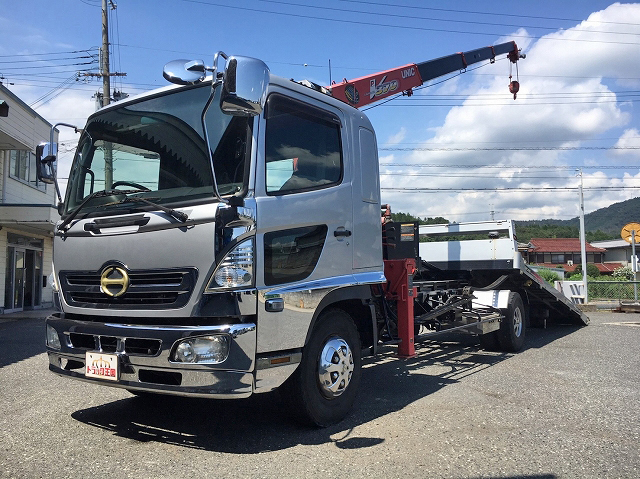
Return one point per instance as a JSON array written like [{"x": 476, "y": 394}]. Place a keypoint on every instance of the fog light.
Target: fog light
[
  {"x": 53, "y": 341},
  {"x": 203, "y": 350}
]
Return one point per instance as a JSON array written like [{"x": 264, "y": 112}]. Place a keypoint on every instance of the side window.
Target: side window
[
  {"x": 303, "y": 147},
  {"x": 291, "y": 255}
]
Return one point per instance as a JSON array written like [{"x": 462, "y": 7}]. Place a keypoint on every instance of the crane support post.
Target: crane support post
[{"x": 399, "y": 274}]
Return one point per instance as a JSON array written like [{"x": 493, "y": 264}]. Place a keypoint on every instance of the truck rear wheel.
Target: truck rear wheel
[
  {"x": 324, "y": 387},
  {"x": 513, "y": 327}
]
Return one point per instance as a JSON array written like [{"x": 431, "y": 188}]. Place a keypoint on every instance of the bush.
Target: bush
[
  {"x": 623, "y": 273},
  {"x": 548, "y": 275},
  {"x": 592, "y": 270}
]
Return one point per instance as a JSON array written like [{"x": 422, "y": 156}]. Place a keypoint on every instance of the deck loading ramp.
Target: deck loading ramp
[{"x": 487, "y": 253}]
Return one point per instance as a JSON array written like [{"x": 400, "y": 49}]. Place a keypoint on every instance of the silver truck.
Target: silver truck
[{"x": 224, "y": 237}]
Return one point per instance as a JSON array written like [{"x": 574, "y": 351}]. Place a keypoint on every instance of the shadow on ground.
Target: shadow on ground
[
  {"x": 262, "y": 422},
  {"x": 21, "y": 340}
]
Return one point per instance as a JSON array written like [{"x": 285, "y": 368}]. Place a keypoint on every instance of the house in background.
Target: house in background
[
  {"x": 565, "y": 253},
  {"x": 27, "y": 209},
  {"x": 618, "y": 251}
]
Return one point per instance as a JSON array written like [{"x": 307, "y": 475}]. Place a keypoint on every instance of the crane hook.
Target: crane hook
[{"x": 514, "y": 87}]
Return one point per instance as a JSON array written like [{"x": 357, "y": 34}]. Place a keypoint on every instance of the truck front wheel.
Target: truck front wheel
[{"x": 324, "y": 387}]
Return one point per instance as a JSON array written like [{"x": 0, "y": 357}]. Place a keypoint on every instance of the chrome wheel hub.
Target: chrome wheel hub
[
  {"x": 335, "y": 367},
  {"x": 517, "y": 322}
]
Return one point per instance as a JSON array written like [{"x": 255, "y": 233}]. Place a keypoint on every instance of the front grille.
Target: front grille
[
  {"x": 152, "y": 289},
  {"x": 142, "y": 347},
  {"x": 111, "y": 344},
  {"x": 108, "y": 344},
  {"x": 82, "y": 341}
]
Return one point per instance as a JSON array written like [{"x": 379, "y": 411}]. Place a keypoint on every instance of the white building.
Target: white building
[{"x": 27, "y": 211}]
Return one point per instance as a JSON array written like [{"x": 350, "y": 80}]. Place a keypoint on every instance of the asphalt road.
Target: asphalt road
[{"x": 566, "y": 406}]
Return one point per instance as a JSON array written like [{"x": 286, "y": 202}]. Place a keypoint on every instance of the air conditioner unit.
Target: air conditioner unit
[{"x": 570, "y": 262}]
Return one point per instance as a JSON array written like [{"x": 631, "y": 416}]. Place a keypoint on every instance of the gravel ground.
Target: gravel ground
[{"x": 566, "y": 406}]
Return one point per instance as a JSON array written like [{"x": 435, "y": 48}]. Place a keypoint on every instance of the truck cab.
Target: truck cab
[{"x": 217, "y": 234}]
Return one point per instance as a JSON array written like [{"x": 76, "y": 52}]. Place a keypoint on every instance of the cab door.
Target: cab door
[{"x": 304, "y": 215}]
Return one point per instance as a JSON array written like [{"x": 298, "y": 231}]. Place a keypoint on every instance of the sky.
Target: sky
[{"x": 460, "y": 148}]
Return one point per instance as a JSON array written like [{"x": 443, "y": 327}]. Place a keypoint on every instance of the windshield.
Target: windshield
[{"x": 157, "y": 146}]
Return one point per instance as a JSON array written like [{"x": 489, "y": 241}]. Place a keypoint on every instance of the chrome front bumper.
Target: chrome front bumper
[{"x": 147, "y": 367}]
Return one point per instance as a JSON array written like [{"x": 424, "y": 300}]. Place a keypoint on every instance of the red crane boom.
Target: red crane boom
[{"x": 371, "y": 88}]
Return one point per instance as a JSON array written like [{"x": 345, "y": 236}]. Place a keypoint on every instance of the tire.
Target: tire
[
  {"x": 513, "y": 328},
  {"x": 323, "y": 388}
]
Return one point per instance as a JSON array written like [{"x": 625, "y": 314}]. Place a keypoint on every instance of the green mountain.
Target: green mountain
[{"x": 601, "y": 224}]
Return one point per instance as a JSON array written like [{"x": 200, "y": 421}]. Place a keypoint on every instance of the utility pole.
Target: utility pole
[
  {"x": 104, "y": 66},
  {"x": 104, "y": 99},
  {"x": 583, "y": 242},
  {"x": 106, "y": 90}
]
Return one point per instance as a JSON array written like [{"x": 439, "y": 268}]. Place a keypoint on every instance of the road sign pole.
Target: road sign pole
[{"x": 634, "y": 264}]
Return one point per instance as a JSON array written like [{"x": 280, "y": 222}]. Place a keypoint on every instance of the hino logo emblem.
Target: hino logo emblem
[{"x": 114, "y": 281}]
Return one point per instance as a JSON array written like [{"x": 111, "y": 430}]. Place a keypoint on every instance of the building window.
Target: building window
[
  {"x": 557, "y": 258},
  {"x": 23, "y": 167}
]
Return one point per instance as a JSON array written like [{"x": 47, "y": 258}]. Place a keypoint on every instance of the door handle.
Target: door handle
[{"x": 342, "y": 233}]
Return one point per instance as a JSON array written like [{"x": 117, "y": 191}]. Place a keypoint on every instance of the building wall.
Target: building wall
[
  {"x": 23, "y": 126},
  {"x": 23, "y": 129},
  {"x": 618, "y": 255}
]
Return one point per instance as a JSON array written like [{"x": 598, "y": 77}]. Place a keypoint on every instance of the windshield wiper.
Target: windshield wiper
[
  {"x": 102, "y": 193},
  {"x": 179, "y": 215}
]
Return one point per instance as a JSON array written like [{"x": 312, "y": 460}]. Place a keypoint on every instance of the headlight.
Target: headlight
[
  {"x": 53, "y": 341},
  {"x": 202, "y": 350},
  {"x": 236, "y": 268}
]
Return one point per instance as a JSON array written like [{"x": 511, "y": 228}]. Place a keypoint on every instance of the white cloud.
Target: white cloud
[
  {"x": 397, "y": 138},
  {"x": 629, "y": 139},
  {"x": 564, "y": 101}
]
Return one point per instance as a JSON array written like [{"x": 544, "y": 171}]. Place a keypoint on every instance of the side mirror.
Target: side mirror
[
  {"x": 46, "y": 154},
  {"x": 244, "y": 88},
  {"x": 185, "y": 72}
]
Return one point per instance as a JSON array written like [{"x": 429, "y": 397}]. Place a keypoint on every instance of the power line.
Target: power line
[
  {"x": 531, "y": 189},
  {"x": 518, "y": 103},
  {"x": 48, "y": 59},
  {"x": 448, "y": 20},
  {"x": 546, "y": 167},
  {"x": 497, "y": 14},
  {"x": 492, "y": 176},
  {"x": 50, "y": 53},
  {"x": 54, "y": 93},
  {"x": 516, "y": 148},
  {"x": 404, "y": 27},
  {"x": 50, "y": 66}
]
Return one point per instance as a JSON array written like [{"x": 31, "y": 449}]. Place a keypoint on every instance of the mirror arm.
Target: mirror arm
[
  {"x": 53, "y": 128},
  {"x": 215, "y": 84}
]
